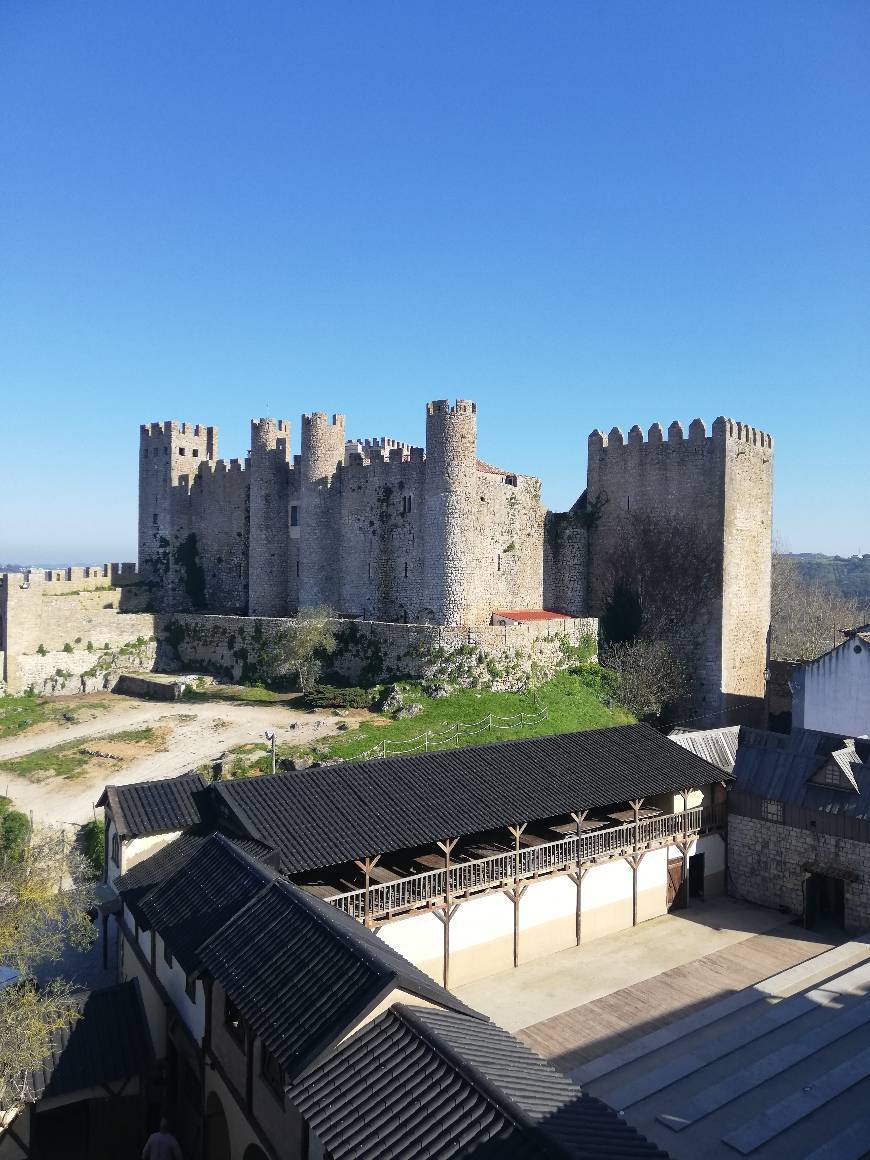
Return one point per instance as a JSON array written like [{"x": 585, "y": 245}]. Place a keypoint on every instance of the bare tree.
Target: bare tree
[
  {"x": 647, "y": 677},
  {"x": 806, "y": 619}
]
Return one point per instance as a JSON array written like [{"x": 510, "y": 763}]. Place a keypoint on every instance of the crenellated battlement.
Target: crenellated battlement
[
  {"x": 443, "y": 407},
  {"x": 723, "y": 431},
  {"x": 78, "y": 576},
  {"x": 322, "y": 419}
]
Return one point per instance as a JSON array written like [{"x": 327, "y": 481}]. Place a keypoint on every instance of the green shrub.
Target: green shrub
[
  {"x": 93, "y": 838},
  {"x": 14, "y": 831},
  {"x": 42, "y": 650},
  {"x": 67, "y": 648},
  {"x": 329, "y": 697}
]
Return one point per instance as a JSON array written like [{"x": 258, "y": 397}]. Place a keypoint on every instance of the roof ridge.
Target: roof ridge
[{"x": 415, "y": 1020}]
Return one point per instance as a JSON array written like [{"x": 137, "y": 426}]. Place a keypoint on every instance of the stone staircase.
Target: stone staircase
[{"x": 780, "y": 1069}]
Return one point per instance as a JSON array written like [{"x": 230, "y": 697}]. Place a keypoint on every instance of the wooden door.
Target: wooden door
[{"x": 675, "y": 900}]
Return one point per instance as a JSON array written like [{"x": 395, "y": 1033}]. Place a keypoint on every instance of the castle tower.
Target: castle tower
[
  {"x": 708, "y": 499},
  {"x": 451, "y": 465},
  {"x": 268, "y": 558},
  {"x": 322, "y": 457},
  {"x": 169, "y": 458}
]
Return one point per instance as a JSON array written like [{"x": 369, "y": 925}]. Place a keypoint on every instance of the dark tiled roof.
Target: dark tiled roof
[
  {"x": 323, "y": 817},
  {"x": 204, "y": 892},
  {"x": 419, "y": 1082},
  {"x": 779, "y": 766},
  {"x": 108, "y": 1042},
  {"x": 154, "y": 807},
  {"x": 134, "y": 884},
  {"x": 302, "y": 973}
]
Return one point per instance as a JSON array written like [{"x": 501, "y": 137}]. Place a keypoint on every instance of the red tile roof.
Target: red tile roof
[{"x": 530, "y": 614}]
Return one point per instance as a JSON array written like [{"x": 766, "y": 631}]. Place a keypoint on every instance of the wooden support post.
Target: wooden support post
[
  {"x": 367, "y": 865},
  {"x": 449, "y": 910},
  {"x": 634, "y": 862},
  {"x": 518, "y": 891},
  {"x": 683, "y": 847},
  {"x": 579, "y": 817}
]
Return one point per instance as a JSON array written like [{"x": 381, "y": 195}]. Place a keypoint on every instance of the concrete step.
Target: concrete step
[
  {"x": 696, "y": 1056},
  {"x": 850, "y": 1144},
  {"x": 785, "y": 982},
  {"x": 750, "y": 1076},
  {"x": 796, "y": 1107}
]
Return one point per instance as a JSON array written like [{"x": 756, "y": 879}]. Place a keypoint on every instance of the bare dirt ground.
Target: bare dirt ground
[{"x": 196, "y": 733}]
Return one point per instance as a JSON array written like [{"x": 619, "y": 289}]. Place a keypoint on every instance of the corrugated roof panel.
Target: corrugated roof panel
[{"x": 323, "y": 817}]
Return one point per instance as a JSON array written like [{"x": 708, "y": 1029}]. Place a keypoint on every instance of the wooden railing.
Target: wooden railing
[{"x": 481, "y": 874}]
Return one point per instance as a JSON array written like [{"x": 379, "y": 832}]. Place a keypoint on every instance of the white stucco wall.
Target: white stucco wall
[
  {"x": 174, "y": 980},
  {"x": 832, "y": 694}
]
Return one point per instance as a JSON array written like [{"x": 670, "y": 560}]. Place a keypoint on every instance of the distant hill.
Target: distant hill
[{"x": 847, "y": 575}]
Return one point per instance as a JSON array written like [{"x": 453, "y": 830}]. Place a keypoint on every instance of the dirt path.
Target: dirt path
[{"x": 202, "y": 734}]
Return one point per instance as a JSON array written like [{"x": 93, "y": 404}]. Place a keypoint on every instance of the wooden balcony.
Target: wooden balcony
[{"x": 479, "y": 876}]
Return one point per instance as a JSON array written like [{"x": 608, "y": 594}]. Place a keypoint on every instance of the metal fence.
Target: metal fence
[{"x": 450, "y": 737}]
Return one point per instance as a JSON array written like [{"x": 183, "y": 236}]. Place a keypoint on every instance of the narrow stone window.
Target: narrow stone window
[
  {"x": 297, "y": 567},
  {"x": 628, "y": 503},
  {"x": 498, "y": 562},
  {"x": 370, "y": 569},
  {"x": 409, "y": 503},
  {"x": 182, "y": 451},
  {"x": 294, "y": 515},
  {"x": 406, "y": 569},
  {"x": 155, "y": 520},
  {"x": 195, "y": 453}
]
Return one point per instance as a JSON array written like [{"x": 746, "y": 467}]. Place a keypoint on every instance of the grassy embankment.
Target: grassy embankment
[
  {"x": 74, "y": 759},
  {"x": 574, "y": 700},
  {"x": 21, "y": 714}
]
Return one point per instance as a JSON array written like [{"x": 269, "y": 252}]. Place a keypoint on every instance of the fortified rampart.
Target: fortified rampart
[
  {"x": 391, "y": 535},
  {"x": 60, "y": 630},
  {"x": 374, "y": 528}
]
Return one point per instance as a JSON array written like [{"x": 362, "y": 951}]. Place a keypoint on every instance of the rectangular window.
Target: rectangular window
[
  {"x": 154, "y": 519},
  {"x": 116, "y": 850},
  {"x": 167, "y": 954},
  {"x": 233, "y": 1022},
  {"x": 195, "y": 453},
  {"x": 182, "y": 451},
  {"x": 771, "y": 811},
  {"x": 273, "y": 1072},
  {"x": 294, "y": 515}
]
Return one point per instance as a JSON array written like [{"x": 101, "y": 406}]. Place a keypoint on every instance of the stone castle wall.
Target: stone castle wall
[
  {"x": 56, "y": 626},
  {"x": 719, "y": 488},
  {"x": 372, "y": 528},
  {"x": 236, "y": 648}
]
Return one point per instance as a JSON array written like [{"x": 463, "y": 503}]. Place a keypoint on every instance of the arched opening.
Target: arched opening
[
  {"x": 217, "y": 1134},
  {"x": 255, "y": 1152}
]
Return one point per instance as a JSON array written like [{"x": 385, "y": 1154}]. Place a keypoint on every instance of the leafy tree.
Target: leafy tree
[
  {"x": 302, "y": 650},
  {"x": 45, "y": 897},
  {"x": 646, "y": 677},
  {"x": 806, "y": 618}
]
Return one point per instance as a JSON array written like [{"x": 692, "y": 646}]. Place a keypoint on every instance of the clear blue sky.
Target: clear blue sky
[{"x": 579, "y": 214}]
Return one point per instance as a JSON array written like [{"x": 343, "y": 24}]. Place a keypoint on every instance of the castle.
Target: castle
[
  {"x": 384, "y": 531},
  {"x": 376, "y": 529}
]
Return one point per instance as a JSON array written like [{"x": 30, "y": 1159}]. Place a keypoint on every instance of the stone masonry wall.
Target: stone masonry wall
[
  {"x": 233, "y": 647},
  {"x": 766, "y": 861},
  {"x": 720, "y": 484},
  {"x": 41, "y": 612}
]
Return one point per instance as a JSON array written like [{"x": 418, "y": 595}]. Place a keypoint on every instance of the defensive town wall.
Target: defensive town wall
[{"x": 62, "y": 630}]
